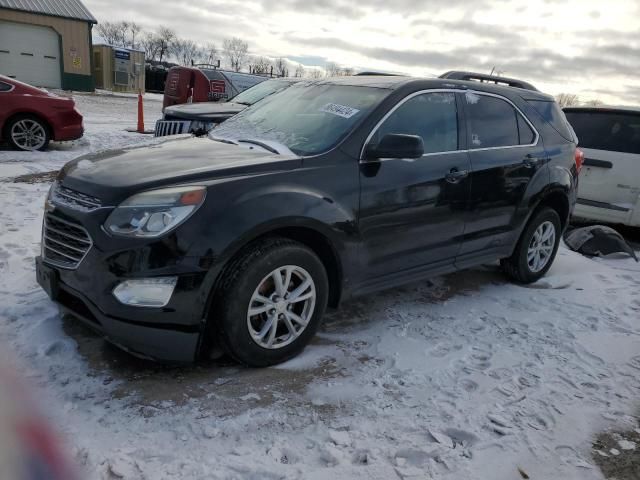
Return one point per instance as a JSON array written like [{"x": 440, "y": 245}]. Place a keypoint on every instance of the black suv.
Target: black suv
[{"x": 326, "y": 190}]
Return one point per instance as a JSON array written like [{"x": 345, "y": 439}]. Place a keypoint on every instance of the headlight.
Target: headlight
[
  {"x": 154, "y": 213},
  {"x": 52, "y": 189},
  {"x": 198, "y": 125}
]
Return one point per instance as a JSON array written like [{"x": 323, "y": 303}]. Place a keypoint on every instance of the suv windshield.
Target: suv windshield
[
  {"x": 258, "y": 92},
  {"x": 309, "y": 118}
]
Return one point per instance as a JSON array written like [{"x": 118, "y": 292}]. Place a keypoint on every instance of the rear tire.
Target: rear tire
[
  {"x": 260, "y": 321},
  {"x": 536, "y": 249},
  {"x": 27, "y": 133}
]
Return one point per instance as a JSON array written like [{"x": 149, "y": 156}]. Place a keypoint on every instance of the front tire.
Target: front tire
[
  {"x": 28, "y": 133},
  {"x": 536, "y": 249},
  {"x": 270, "y": 302}
]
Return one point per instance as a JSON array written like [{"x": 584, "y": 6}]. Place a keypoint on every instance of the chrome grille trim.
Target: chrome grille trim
[
  {"x": 73, "y": 199},
  {"x": 165, "y": 128},
  {"x": 64, "y": 243}
]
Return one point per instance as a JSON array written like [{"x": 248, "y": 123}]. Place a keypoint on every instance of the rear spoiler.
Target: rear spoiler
[{"x": 480, "y": 77}]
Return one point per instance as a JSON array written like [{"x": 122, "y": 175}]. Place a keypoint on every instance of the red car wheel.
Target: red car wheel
[{"x": 27, "y": 132}]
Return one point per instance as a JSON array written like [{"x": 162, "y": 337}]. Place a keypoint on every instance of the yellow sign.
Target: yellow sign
[{"x": 77, "y": 61}]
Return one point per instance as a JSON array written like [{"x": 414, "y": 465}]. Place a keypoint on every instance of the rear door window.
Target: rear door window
[
  {"x": 493, "y": 122},
  {"x": 611, "y": 131},
  {"x": 525, "y": 132}
]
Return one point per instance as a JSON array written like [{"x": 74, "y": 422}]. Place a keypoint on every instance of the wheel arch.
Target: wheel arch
[
  {"x": 556, "y": 197},
  {"x": 307, "y": 234},
  {"x": 558, "y": 200},
  {"x": 315, "y": 239}
]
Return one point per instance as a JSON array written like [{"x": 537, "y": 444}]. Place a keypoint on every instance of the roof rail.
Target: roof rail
[
  {"x": 382, "y": 74},
  {"x": 481, "y": 77}
]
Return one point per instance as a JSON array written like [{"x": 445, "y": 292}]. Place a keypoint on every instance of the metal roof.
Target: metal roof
[{"x": 73, "y": 9}]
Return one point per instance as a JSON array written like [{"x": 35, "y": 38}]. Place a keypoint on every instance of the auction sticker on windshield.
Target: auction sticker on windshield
[{"x": 339, "y": 110}]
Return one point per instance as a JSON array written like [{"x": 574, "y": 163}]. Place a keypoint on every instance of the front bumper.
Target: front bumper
[
  {"x": 82, "y": 265},
  {"x": 168, "y": 342},
  {"x": 68, "y": 132}
]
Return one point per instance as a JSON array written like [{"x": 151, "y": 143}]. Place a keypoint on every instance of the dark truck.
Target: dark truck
[
  {"x": 323, "y": 191},
  {"x": 199, "y": 118}
]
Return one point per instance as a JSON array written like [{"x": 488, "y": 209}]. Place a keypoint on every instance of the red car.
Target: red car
[{"x": 30, "y": 117}]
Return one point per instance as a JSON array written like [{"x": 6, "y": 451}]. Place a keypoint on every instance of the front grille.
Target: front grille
[
  {"x": 64, "y": 243},
  {"x": 73, "y": 199},
  {"x": 172, "y": 127}
]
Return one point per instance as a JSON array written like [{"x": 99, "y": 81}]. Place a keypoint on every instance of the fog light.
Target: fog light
[{"x": 146, "y": 292}]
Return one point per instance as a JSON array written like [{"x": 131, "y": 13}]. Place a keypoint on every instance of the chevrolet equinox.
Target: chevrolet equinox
[{"x": 329, "y": 189}]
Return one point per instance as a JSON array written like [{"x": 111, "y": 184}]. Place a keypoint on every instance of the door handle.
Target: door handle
[
  {"x": 530, "y": 161},
  {"x": 455, "y": 175}
]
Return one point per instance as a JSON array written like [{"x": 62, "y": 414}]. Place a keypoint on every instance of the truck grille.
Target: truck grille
[
  {"x": 73, "y": 199},
  {"x": 64, "y": 243},
  {"x": 171, "y": 127}
]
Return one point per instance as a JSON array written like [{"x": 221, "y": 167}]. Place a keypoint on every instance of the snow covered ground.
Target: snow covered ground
[{"x": 464, "y": 377}]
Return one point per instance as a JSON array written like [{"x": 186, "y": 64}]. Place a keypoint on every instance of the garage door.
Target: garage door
[{"x": 30, "y": 54}]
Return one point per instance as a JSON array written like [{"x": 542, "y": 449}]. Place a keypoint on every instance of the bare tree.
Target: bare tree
[
  {"x": 314, "y": 73},
  {"x": 110, "y": 32},
  {"x": 594, "y": 103},
  {"x": 261, "y": 65},
  {"x": 123, "y": 29},
  {"x": 299, "y": 73},
  {"x": 210, "y": 53},
  {"x": 120, "y": 30},
  {"x": 134, "y": 30},
  {"x": 567, "y": 99},
  {"x": 165, "y": 38},
  {"x": 187, "y": 52},
  {"x": 150, "y": 45},
  {"x": 235, "y": 49},
  {"x": 281, "y": 67},
  {"x": 332, "y": 69}
]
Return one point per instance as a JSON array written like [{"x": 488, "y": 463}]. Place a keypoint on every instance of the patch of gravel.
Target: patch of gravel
[
  {"x": 42, "y": 177},
  {"x": 618, "y": 454}
]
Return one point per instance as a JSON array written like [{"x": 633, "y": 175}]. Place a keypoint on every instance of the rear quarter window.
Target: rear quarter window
[
  {"x": 552, "y": 114},
  {"x": 5, "y": 87},
  {"x": 611, "y": 131}
]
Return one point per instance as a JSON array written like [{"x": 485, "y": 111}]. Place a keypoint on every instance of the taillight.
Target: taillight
[{"x": 579, "y": 159}]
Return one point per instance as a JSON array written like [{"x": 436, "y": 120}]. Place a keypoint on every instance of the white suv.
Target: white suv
[{"x": 609, "y": 186}]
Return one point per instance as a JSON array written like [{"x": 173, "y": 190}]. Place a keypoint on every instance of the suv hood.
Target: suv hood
[
  {"x": 204, "y": 110},
  {"x": 116, "y": 174}
]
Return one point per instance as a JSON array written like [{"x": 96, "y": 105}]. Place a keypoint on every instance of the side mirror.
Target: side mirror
[{"x": 396, "y": 145}]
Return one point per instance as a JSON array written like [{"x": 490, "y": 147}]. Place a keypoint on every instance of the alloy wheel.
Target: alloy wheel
[
  {"x": 541, "y": 246},
  {"x": 28, "y": 134},
  {"x": 281, "y": 307}
]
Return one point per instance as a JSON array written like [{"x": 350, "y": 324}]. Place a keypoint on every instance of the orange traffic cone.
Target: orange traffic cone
[{"x": 140, "y": 113}]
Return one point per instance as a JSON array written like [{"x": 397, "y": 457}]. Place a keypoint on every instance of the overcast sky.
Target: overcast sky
[{"x": 587, "y": 47}]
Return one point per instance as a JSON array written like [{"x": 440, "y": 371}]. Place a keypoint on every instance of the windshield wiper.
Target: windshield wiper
[
  {"x": 241, "y": 103},
  {"x": 223, "y": 140},
  {"x": 260, "y": 144}
]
